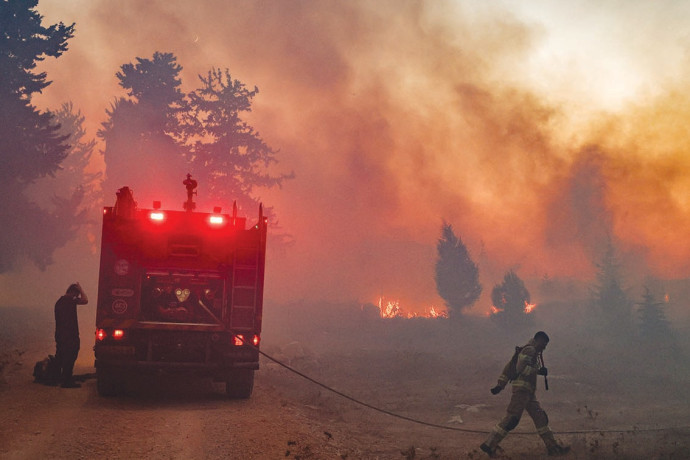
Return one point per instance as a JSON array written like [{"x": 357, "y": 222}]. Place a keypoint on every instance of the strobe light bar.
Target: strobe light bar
[
  {"x": 216, "y": 220},
  {"x": 157, "y": 216}
]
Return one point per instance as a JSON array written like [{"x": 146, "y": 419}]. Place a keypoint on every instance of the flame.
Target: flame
[
  {"x": 437, "y": 314},
  {"x": 392, "y": 309},
  {"x": 529, "y": 307},
  {"x": 495, "y": 310},
  {"x": 667, "y": 298}
]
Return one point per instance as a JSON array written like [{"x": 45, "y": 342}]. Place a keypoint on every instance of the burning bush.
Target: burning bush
[{"x": 511, "y": 303}]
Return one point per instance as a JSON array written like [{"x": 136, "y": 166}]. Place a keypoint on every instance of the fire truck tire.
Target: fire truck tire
[
  {"x": 107, "y": 383},
  {"x": 240, "y": 384}
]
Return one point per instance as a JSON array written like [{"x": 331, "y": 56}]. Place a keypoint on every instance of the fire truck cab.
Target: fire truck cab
[{"x": 179, "y": 291}]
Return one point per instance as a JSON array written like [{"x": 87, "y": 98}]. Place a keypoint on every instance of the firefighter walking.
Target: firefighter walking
[{"x": 522, "y": 372}]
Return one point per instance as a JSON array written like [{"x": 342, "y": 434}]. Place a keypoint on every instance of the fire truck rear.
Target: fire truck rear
[{"x": 179, "y": 291}]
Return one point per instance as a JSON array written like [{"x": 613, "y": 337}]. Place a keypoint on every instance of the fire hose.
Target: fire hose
[
  {"x": 446, "y": 427},
  {"x": 541, "y": 363}
]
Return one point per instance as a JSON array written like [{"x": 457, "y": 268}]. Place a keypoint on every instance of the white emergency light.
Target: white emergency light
[
  {"x": 157, "y": 216},
  {"x": 216, "y": 220}
]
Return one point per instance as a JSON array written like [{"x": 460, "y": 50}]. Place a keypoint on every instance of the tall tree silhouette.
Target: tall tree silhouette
[
  {"x": 31, "y": 145},
  {"x": 74, "y": 171},
  {"x": 158, "y": 133},
  {"x": 226, "y": 152},
  {"x": 143, "y": 130},
  {"x": 73, "y": 189},
  {"x": 608, "y": 296},
  {"x": 457, "y": 276},
  {"x": 653, "y": 323}
]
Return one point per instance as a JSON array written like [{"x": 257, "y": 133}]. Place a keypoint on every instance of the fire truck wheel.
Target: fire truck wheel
[
  {"x": 240, "y": 384},
  {"x": 107, "y": 383}
]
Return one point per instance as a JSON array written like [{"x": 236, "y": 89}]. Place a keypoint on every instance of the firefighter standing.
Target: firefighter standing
[
  {"x": 529, "y": 365},
  {"x": 67, "y": 332}
]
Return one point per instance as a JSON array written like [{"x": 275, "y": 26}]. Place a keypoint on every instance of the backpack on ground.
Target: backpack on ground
[{"x": 47, "y": 371}]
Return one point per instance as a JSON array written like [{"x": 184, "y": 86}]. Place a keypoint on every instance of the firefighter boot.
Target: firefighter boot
[
  {"x": 554, "y": 449},
  {"x": 489, "y": 446}
]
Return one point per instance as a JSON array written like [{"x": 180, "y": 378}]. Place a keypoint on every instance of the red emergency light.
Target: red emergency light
[
  {"x": 239, "y": 340},
  {"x": 117, "y": 334}
]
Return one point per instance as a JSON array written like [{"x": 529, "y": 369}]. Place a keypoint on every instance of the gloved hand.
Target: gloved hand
[
  {"x": 543, "y": 371},
  {"x": 496, "y": 390}
]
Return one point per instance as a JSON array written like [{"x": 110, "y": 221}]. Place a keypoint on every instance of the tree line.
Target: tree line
[
  {"x": 47, "y": 193},
  {"x": 457, "y": 282}
]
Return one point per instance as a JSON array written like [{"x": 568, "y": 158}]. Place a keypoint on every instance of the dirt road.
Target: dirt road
[
  {"x": 288, "y": 417},
  {"x": 159, "y": 420}
]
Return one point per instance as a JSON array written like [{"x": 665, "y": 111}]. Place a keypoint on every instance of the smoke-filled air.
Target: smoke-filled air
[
  {"x": 540, "y": 132},
  {"x": 440, "y": 180}
]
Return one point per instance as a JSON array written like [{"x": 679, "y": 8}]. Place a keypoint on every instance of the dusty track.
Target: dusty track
[
  {"x": 188, "y": 419},
  {"x": 287, "y": 417}
]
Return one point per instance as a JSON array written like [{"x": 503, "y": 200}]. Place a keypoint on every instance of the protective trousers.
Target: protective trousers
[
  {"x": 66, "y": 354},
  {"x": 521, "y": 400}
]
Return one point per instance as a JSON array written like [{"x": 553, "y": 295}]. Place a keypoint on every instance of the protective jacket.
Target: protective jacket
[
  {"x": 66, "y": 323},
  {"x": 526, "y": 368},
  {"x": 523, "y": 398}
]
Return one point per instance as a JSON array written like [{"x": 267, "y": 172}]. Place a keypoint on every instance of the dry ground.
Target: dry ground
[{"x": 420, "y": 369}]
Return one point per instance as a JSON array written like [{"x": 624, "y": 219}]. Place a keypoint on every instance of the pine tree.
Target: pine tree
[
  {"x": 653, "y": 323},
  {"x": 31, "y": 145},
  {"x": 158, "y": 132},
  {"x": 457, "y": 276},
  {"x": 143, "y": 133},
  {"x": 73, "y": 190},
  {"x": 73, "y": 172},
  {"x": 608, "y": 295},
  {"x": 226, "y": 153}
]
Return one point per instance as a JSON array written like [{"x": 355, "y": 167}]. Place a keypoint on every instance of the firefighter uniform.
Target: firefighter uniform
[
  {"x": 66, "y": 336},
  {"x": 523, "y": 399},
  {"x": 67, "y": 332}
]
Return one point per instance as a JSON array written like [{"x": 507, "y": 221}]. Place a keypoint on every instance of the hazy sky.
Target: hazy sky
[{"x": 537, "y": 128}]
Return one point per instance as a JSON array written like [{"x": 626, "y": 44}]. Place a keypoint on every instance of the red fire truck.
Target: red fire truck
[{"x": 179, "y": 291}]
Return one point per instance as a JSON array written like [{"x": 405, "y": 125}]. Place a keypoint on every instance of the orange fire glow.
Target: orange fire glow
[
  {"x": 529, "y": 307},
  {"x": 392, "y": 309},
  {"x": 495, "y": 310}
]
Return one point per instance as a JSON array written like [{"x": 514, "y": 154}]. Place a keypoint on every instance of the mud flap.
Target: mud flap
[
  {"x": 240, "y": 383},
  {"x": 109, "y": 383}
]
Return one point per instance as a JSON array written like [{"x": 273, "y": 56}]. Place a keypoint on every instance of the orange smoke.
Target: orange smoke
[{"x": 395, "y": 116}]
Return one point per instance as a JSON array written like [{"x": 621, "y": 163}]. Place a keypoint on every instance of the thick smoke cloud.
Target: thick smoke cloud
[{"x": 395, "y": 116}]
